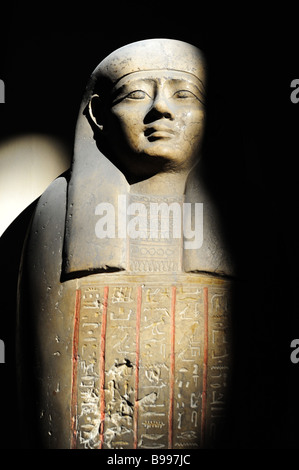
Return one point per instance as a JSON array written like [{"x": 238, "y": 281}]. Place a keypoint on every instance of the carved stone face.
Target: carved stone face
[
  {"x": 156, "y": 121},
  {"x": 153, "y": 120},
  {"x": 157, "y": 114}
]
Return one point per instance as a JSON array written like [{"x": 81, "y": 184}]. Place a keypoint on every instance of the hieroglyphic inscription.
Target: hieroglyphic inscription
[
  {"x": 120, "y": 367},
  {"x": 219, "y": 361},
  {"x": 154, "y": 367},
  {"x": 88, "y": 397},
  {"x": 188, "y": 367},
  {"x": 183, "y": 348}
]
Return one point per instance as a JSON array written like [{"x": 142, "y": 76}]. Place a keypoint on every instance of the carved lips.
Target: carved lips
[{"x": 159, "y": 132}]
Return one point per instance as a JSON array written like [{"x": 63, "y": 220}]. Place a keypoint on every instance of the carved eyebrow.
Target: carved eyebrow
[
  {"x": 189, "y": 85},
  {"x": 120, "y": 92},
  {"x": 199, "y": 96},
  {"x": 135, "y": 81}
]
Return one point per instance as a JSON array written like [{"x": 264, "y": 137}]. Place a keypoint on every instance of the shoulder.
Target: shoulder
[
  {"x": 48, "y": 221},
  {"x": 53, "y": 199}
]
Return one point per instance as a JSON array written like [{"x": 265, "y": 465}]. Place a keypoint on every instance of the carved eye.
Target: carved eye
[
  {"x": 183, "y": 94},
  {"x": 137, "y": 95}
]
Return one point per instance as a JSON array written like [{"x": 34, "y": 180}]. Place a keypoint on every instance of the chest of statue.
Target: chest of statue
[
  {"x": 150, "y": 361},
  {"x": 135, "y": 361},
  {"x": 128, "y": 359}
]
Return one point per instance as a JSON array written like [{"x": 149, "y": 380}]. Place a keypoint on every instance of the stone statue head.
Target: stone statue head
[
  {"x": 140, "y": 130},
  {"x": 147, "y": 110}
]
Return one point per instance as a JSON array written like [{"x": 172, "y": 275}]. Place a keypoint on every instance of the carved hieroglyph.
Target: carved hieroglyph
[{"x": 150, "y": 362}]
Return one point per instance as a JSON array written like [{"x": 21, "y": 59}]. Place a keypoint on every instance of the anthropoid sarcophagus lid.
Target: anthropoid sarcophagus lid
[{"x": 125, "y": 285}]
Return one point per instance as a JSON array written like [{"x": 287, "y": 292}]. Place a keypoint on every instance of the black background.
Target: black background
[{"x": 47, "y": 55}]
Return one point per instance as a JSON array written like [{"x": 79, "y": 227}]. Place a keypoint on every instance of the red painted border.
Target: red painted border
[
  {"x": 102, "y": 365},
  {"x": 138, "y": 319},
  {"x": 172, "y": 368},
  {"x": 75, "y": 369},
  {"x": 205, "y": 364}
]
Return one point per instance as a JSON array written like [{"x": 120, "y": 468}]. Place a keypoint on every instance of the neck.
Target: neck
[{"x": 169, "y": 183}]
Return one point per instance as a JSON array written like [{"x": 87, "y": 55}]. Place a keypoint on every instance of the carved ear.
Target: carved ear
[{"x": 95, "y": 111}]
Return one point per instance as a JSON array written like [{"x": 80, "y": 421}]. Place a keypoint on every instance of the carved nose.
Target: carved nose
[{"x": 160, "y": 108}]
